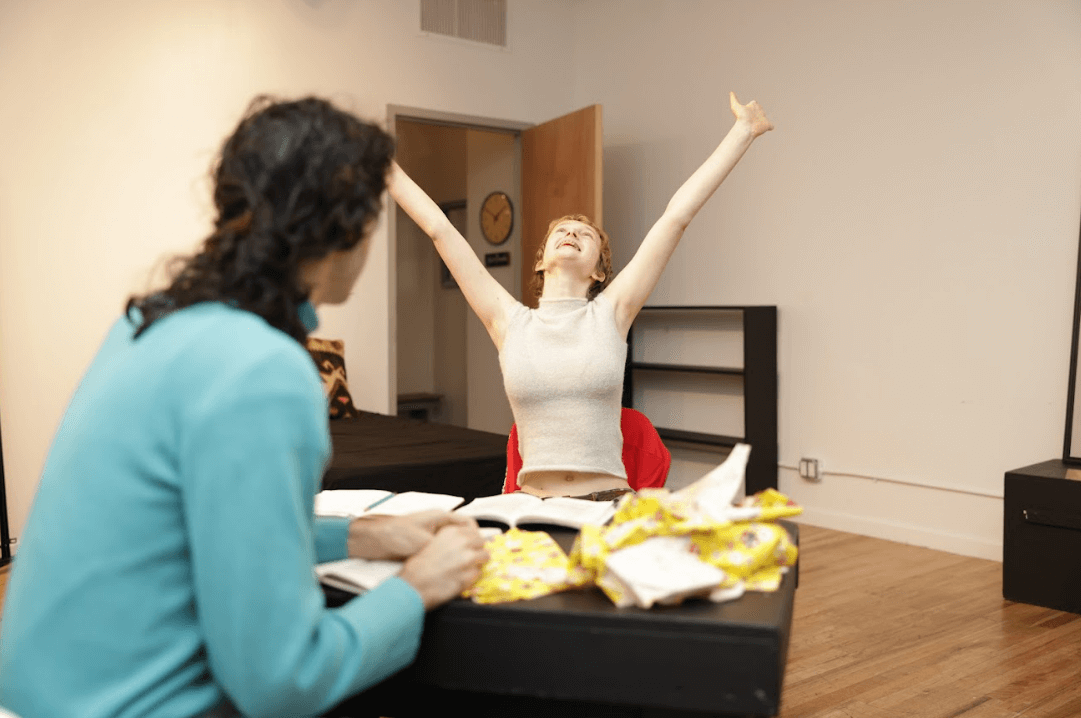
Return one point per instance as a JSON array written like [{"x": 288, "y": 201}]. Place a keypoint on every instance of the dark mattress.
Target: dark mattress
[{"x": 375, "y": 451}]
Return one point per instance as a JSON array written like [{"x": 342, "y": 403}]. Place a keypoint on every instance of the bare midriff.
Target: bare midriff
[{"x": 568, "y": 483}]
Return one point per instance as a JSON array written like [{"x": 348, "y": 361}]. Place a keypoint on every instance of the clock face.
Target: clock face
[{"x": 496, "y": 217}]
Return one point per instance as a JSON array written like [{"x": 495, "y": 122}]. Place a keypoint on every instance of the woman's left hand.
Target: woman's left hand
[
  {"x": 751, "y": 114},
  {"x": 398, "y": 537}
]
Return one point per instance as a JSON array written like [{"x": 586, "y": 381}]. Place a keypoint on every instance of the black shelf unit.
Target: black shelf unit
[{"x": 759, "y": 375}]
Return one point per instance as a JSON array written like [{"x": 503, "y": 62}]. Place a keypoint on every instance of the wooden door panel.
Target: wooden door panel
[{"x": 562, "y": 172}]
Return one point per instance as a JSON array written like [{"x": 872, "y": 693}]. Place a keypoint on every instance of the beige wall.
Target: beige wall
[
  {"x": 111, "y": 113},
  {"x": 914, "y": 217}
]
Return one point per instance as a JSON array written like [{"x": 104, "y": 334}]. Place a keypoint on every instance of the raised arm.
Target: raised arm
[
  {"x": 631, "y": 288},
  {"x": 485, "y": 295}
]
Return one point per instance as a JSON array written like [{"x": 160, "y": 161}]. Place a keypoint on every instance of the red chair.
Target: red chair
[{"x": 645, "y": 456}]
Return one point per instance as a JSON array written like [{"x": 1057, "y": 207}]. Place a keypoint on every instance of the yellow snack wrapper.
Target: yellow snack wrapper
[
  {"x": 767, "y": 579},
  {"x": 772, "y": 505},
  {"x": 656, "y": 513},
  {"x": 653, "y": 505},
  {"x": 752, "y": 552},
  {"x": 739, "y": 548},
  {"x": 524, "y": 564},
  {"x": 590, "y": 550}
]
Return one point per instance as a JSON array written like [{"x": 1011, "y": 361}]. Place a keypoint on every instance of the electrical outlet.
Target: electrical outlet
[{"x": 809, "y": 469}]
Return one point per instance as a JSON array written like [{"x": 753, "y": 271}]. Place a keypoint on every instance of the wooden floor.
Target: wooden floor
[{"x": 885, "y": 630}]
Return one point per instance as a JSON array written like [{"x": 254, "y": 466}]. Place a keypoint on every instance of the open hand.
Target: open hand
[
  {"x": 752, "y": 114},
  {"x": 399, "y": 537},
  {"x": 448, "y": 565}
]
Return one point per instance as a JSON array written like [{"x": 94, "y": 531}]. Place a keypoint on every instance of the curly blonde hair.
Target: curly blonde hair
[{"x": 604, "y": 262}]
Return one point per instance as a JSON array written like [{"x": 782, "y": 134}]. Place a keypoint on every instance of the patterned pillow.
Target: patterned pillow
[{"x": 329, "y": 357}]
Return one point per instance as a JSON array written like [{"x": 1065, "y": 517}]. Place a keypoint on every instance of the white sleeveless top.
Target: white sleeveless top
[{"x": 563, "y": 372}]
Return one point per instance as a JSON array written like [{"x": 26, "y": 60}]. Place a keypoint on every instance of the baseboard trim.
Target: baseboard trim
[{"x": 902, "y": 533}]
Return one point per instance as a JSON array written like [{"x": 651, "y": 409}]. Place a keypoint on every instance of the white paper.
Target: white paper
[
  {"x": 662, "y": 570},
  {"x": 500, "y": 505},
  {"x": 713, "y": 494},
  {"x": 576, "y": 513},
  {"x": 720, "y": 595},
  {"x": 410, "y": 502},
  {"x": 520, "y": 507},
  {"x": 347, "y": 502}
]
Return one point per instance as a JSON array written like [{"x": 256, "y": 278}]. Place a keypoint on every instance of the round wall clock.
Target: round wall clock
[{"x": 496, "y": 217}]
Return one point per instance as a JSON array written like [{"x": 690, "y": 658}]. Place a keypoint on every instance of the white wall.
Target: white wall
[
  {"x": 111, "y": 114},
  {"x": 494, "y": 161},
  {"x": 914, "y": 217}
]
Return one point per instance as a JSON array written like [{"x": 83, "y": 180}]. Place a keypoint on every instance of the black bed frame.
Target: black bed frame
[{"x": 5, "y": 537}]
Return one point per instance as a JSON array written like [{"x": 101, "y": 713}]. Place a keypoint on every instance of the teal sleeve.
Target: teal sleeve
[
  {"x": 331, "y": 537},
  {"x": 252, "y": 456}
]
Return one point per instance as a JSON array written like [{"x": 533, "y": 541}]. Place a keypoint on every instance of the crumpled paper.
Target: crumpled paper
[{"x": 659, "y": 548}]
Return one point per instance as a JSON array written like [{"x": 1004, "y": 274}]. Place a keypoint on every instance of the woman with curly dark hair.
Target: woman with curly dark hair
[{"x": 167, "y": 566}]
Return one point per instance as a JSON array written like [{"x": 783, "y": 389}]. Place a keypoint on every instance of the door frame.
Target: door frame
[{"x": 432, "y": 117}]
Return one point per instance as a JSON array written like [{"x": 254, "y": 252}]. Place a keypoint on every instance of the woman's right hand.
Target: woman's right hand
[
  {"x": 751, "y": 114},
  {"x": 448, "y": 565}
]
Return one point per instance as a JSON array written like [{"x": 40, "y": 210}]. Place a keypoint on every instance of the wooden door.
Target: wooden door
[{"x": 561, "y": 174}]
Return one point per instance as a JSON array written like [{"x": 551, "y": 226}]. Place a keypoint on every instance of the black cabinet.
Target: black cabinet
[
  {"x": 1041, "y": 536},
  {"x": 748, "y": 368}
]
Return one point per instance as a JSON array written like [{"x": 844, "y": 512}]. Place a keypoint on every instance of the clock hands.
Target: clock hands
[
  {"x": 498, "y": 214},
  {"x": 497, "y": 217}
]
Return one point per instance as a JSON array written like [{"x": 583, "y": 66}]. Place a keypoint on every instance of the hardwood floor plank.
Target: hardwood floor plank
[
  {"x": 886, "y": 629},
  {"x": 859, "y": 709},
  {"x": 1065, "y": 704}
]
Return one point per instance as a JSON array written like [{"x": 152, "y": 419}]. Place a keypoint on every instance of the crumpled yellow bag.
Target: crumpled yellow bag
[
  {"x": 524, "y": 564},
  {"x": 751, "y": 552},
  {"x": 741, "y": 541}
]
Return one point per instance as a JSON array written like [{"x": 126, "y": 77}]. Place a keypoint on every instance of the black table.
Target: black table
[
  {"x": 575, "y": 654},
  {"x": 376, "y": 451}
]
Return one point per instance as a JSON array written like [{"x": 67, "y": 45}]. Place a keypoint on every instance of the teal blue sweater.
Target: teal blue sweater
[{"x": 167, "y": 563}]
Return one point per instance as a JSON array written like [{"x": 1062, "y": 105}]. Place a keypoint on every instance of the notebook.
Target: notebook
[{"x": 357, "y": 575}]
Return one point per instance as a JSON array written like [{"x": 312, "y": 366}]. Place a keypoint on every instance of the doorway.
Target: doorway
[
  {"x": 444, "y": 366},
  {"x": 447, "y": 368}
]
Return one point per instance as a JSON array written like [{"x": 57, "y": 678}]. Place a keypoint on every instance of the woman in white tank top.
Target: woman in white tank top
[{"x": 563, "y": 362}]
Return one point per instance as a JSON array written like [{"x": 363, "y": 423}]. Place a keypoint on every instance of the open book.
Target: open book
[
  {"x": 522, "y": 508},
  {"x": 361, "y": 502},
  {"x": 356, "y": 575}
]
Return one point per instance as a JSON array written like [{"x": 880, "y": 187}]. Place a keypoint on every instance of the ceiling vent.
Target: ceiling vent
[{"x": 475, "y": 20}]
